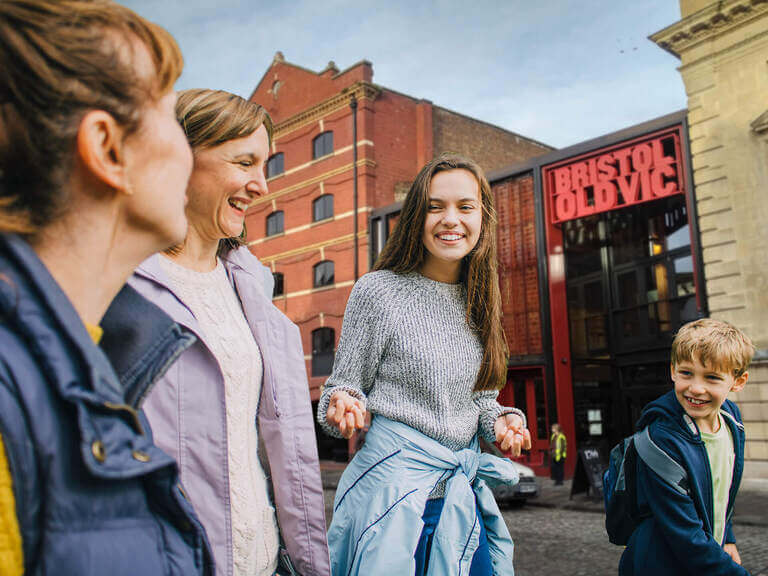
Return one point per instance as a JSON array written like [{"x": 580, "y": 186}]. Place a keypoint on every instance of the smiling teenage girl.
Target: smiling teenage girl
[{"x": 423, "y": 350}]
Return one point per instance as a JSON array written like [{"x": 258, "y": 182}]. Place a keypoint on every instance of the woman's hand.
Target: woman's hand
[
  {"x": 345, "y": 413},
  {"x": 731, "y": 550},
  {"x": 511, "y": 436}
]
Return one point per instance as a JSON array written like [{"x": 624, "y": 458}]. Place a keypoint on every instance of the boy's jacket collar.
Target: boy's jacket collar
[{"x": 668, "y": 408}]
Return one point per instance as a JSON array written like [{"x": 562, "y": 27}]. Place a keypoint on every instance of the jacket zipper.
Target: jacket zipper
[
  {"x": 266, "y": 364},
  {"x": 731, "y": 491},
  {"x": 711, "y": 500}
]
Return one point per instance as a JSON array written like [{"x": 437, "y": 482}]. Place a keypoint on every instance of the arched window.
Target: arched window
[
  {"x": 322, "y": 207},
  {"x": 275, "y": 223},
  {"x": 322, "y": 145},
  {"x": 323, "y": 272},
  {"x": 279, "y": 289},
  {"x": 322, "y": 351},
  {"x": 275, "y": 165}
]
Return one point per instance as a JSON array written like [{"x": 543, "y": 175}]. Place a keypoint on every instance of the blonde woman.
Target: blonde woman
[{"x": 243, "y": 382}]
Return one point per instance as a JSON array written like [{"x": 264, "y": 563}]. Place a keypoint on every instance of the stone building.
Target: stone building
[{"x": 723, "y": 51}]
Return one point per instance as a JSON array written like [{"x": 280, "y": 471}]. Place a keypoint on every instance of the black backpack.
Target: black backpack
[{"x": 622, "y": 513}]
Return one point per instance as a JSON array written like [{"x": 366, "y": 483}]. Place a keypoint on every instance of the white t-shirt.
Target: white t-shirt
[{"x": 721, "y": 459}]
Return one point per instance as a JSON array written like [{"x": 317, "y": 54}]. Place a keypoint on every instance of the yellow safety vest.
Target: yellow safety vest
[{"x": 560, "y": 443}]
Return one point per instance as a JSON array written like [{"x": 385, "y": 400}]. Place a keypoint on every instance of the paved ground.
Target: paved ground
[
  {"x": 559, "y": 542},
  {"x": 557, "y": 535}
]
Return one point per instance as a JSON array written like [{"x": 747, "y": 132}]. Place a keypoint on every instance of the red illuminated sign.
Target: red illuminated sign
[{"x": 614, "y": 177}]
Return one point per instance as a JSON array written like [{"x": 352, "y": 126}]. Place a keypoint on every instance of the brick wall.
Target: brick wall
[
  {"x": 287, "y": 89},
  {"x": 490, "y": 146}
]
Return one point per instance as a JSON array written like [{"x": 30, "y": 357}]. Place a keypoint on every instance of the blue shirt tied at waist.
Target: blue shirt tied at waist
[{"x": 381, "y": 498}]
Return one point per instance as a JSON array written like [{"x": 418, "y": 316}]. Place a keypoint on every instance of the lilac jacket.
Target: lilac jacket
[{"x": 188, "y": 417}]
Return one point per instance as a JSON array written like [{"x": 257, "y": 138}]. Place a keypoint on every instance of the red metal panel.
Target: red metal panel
[
  {"x": 561, "y": 343},
  {"x": 518, "y": 268}
]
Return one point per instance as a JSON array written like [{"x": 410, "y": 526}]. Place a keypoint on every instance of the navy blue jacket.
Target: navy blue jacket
[
  {"x": 677, "y": 537},
  {"x": 94, "y": 495}
]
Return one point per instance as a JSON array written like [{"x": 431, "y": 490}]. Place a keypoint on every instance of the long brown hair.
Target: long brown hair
[
  {"x": 405, "y": 252},
  {"x": 60, "y": 59},
  {"x": 212, "y": 117}
]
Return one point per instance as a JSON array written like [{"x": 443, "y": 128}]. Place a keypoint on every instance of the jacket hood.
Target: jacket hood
[
  {"x": 240, "y": 259},
  {"x": 244, "y": 259}
]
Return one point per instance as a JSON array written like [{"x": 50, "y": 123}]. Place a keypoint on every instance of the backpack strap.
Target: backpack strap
[{"x": 661, "y": 462}]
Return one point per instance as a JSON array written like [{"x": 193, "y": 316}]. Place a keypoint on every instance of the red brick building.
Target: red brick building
[{"x": 308, "y": 229}]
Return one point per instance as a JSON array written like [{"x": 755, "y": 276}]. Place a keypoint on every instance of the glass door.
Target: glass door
[{"x": 629, "y": 287}]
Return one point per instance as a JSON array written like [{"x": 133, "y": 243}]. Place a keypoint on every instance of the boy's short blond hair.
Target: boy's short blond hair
[{"x": 715, "y": 344}]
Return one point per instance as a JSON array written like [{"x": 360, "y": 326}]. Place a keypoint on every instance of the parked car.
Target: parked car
[{"x": 526, "y": 488}]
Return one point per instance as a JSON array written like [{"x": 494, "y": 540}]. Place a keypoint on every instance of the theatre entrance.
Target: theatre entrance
[{"x": 629, "y": 282}]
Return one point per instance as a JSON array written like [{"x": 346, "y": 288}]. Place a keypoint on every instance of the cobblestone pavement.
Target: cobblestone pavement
[{"x": 555, "y": 542}]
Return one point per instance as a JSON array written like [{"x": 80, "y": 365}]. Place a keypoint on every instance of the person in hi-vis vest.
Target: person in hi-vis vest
[{"x": 557, "y": 453}]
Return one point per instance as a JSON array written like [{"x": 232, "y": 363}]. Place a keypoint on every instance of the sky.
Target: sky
[{"x": 557, "y": 71}]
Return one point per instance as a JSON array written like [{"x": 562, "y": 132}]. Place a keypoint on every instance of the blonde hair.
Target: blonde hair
[
  {"x": 60, "y": 59},
  {"x": 212, "y": 117},
  {"x": 405, "y": 252},
  {"x": 713, "y": 343}
]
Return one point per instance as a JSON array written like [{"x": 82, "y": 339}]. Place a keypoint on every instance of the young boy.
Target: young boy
[{"x": 701, "y": 430}]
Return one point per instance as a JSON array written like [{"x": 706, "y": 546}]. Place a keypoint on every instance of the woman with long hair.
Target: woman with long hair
[
  {"x": 93, "y": 173},
  {"x": 422, "y": 349},
  {"x": 243, "y": 383}
]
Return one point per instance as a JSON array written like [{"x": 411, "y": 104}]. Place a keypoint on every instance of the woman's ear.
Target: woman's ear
[{"x": 100, "y": 148}]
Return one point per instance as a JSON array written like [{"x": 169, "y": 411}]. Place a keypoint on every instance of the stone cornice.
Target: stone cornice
[
  {"x": 360, "y": 90},
  {"x": 714, "y": 20},
  {"x": 760, "y": 124}
]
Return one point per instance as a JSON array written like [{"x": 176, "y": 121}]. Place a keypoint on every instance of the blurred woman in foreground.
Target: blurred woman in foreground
[{"x": 93, "y": 172}]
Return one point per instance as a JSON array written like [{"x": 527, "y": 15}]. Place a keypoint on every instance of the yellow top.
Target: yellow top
[
  {"x": 95, "y": 332},
  {"x": 11, "y": 551},
  {"x": 11, "y": 554}
]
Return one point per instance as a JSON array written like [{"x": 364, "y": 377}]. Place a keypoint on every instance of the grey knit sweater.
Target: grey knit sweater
[{"x": 407, "y": 351}]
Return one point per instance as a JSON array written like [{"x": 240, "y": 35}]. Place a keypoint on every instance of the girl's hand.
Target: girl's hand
[
  {"x": 731, "y": 550},
  {"x": 345, "y": 413},
  {"x": 511, "y": 436}
]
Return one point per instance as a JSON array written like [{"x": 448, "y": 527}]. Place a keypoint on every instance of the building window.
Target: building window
[
  {"x": 275, "y": 223},
  {"x": 279, "y": 289},
  {"x": 322, "y": 208},
  {"x": 322, "y": 145},
  {"x": 323, "y": 273},
  {"x": 275, "y": 165},
  {"x": 322, "y": 351}
]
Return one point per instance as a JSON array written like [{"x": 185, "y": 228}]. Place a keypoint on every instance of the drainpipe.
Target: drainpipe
[{"x": 353, "y": 105}]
